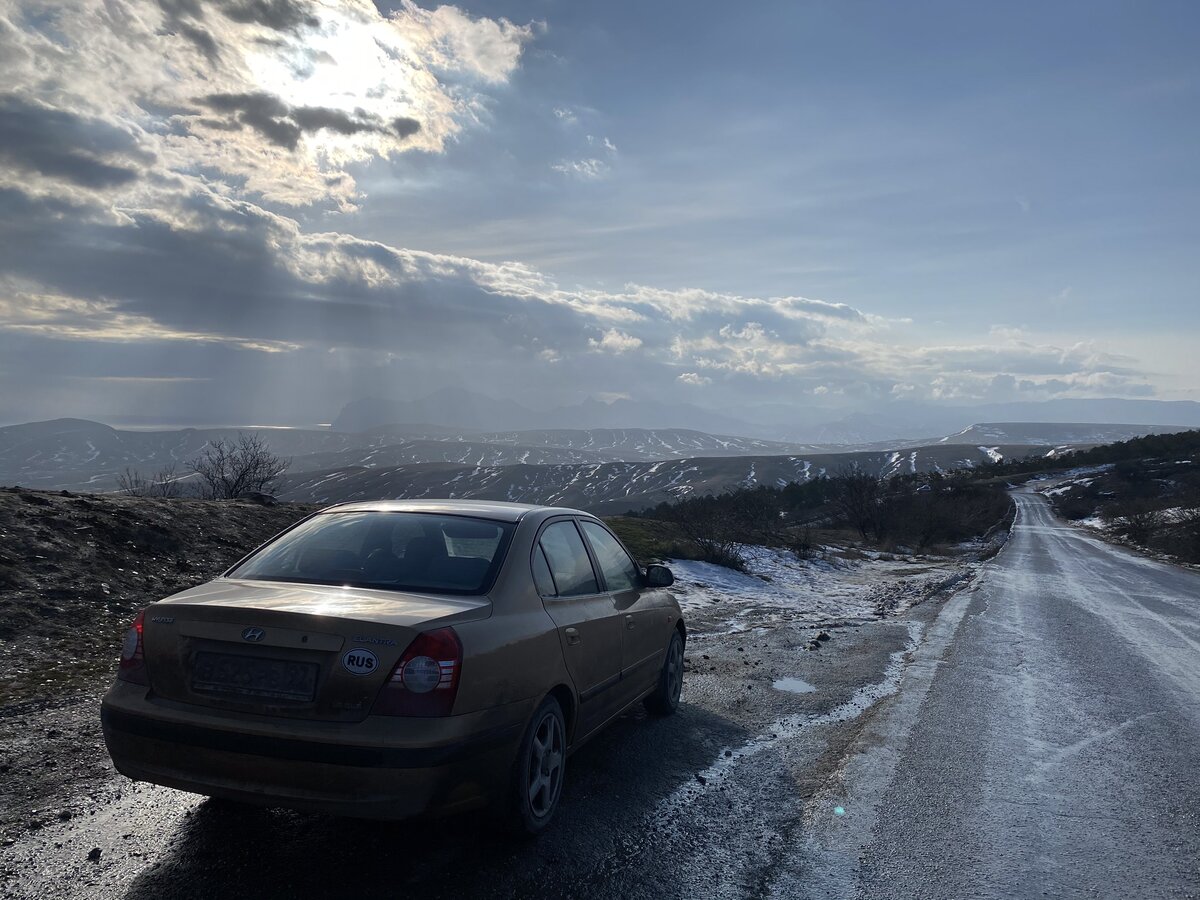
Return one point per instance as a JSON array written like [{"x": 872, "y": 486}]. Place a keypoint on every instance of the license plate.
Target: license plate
[{"x": 277, "y": 679}]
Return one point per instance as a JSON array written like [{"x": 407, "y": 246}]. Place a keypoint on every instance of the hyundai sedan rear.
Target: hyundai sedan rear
[{"x": 397, "y": 658}]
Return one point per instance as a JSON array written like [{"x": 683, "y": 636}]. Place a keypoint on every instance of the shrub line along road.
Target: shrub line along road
[{"x": 1042, "y": 739}]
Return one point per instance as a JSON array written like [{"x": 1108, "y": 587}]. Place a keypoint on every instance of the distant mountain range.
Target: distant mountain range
[
  {"x": 1053, "y": 434},
  {"x": 457, "y": 408},
  {"x": 78, "y": 454},
  {"x": 912, "y": 421},
  {"x": 585, "y": 466}
]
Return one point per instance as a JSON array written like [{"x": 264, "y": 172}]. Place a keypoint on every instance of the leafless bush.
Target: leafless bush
[
  {"x": 713, "y": 527},
  {"x": 856, "y": 495},
  {"x": 1136, "y": 520},
  {"x": 758, "y": 515},
  {"x": 163, "y": 483},
  {"x": 800, "y": 542},
  {"x": 1184, "y": 538},
  {"x": 228, "y": 469}
]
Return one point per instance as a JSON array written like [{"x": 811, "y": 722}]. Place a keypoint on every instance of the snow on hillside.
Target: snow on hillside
[{"x": 780, "y": 587}]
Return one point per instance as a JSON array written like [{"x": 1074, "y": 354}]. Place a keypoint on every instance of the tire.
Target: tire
[
  {"x": 539, "y": 770},
  {"x": 665, "y": 698}
]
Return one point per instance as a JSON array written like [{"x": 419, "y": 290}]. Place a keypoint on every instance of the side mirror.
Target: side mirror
[{"x": 659, "y": 576}]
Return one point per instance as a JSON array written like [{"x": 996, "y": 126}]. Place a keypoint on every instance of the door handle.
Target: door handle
[
  {"x": 572, "y": 635},
  {"x": 629, "y": 622}
]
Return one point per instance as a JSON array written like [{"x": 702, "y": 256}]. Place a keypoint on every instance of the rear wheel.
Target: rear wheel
[
  {"x": 665, "y": 699},
  {"x": 541, "y": 765}
]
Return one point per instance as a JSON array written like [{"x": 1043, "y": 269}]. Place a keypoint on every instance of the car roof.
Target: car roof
[{"x": 483, "y": 509}]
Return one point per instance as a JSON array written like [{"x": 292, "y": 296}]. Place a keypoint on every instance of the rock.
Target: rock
[
  {"x": 700, "y": 778},
  {"x": 259, "y": 497},
  {"x": 823, "y": 636},
  {"x": 94, "y": 854}
]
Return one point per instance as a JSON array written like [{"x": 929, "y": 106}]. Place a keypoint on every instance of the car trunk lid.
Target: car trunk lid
[{"x": 290, "y": 650}]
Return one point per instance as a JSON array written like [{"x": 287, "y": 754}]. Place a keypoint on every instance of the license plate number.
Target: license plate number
[{"x": 278, "y": 679}]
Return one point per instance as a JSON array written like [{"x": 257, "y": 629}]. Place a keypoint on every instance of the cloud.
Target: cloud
[
  {"x": 590, "y": 169},
  {"x": 450, "y": 40},
  {"x": 615, "y": 341},
  {"x": 84, "y": 151},
  {"x": 210, "y": 270},
  {"x": 281, "y": 15},
  {"x": 151, "y": 155},
  {"x": 284, "y": 125},
  {"x": 72, "y": 319},
  {"x": 275, "y": 99}
]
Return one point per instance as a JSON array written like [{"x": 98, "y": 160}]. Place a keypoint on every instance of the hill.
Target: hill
[
  {"x": 78, "y": 454},
  {"x": 618, "y": 486},
  {"x": 1055, "y": 434},
  {"x": 74, "y": 570}
]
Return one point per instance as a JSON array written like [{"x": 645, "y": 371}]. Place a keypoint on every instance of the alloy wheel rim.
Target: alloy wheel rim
[
  {"x": 544, "y": 781},
  {"x": 675, "y": 672}
]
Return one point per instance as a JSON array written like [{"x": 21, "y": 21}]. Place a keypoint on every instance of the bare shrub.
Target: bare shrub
[
  {"x": 1187, "y": 527},
  {"x": 1136, "y": 520},
  {"x": 712, "y": 526},
  {"x": 800, "y": 542},
  {"x": 856, "y": 496},
  {"x": 164, "y": 483},
  {"x": 228, "y": 469}
]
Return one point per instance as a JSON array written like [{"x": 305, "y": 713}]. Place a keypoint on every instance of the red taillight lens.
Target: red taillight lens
[
  {"x": 133, "y": 653},
  {"x": 425, "y": 680}
]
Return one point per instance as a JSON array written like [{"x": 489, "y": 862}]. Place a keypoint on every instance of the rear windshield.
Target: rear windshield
[{"x": 396, "y": 551}]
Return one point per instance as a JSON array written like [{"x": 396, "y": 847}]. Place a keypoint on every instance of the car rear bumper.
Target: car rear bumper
[{"x": 351, "y": 770}]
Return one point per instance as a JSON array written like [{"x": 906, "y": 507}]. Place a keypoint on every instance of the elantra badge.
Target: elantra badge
[{"x": 253, "y": 634}]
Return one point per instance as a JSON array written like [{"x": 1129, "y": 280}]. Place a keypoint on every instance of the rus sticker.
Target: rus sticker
[{"x": 359, "y": 661}]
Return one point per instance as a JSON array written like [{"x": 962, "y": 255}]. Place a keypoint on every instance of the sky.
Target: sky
[{"x": 257, "y": 210}]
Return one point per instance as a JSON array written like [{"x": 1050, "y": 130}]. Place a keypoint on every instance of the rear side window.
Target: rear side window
[
  {"x": 568, "y": 560},
  {"x": 620, "y": 572},
  {"x": 541, "y": 573}
]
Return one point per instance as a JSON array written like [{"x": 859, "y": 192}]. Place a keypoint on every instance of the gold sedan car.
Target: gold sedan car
[{"x": 395, "y": 658}]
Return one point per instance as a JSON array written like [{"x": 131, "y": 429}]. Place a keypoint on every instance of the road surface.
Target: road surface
[
  {"x": 1037, "y": 734},
  {"x": 1052, "y": 749}
]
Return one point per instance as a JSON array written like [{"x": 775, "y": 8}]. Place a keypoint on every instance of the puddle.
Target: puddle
[{"x": 793, "y": 685}]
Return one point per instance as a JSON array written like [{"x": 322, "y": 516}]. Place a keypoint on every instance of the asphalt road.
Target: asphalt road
[
  {"x": 1037, "y": 734},
  {"x": 1048, "y": 745}
]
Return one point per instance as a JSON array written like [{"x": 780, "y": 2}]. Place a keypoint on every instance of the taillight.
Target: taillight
[
  {"x": 133, "y": 653},
  {"x": 425, "y": 681}
]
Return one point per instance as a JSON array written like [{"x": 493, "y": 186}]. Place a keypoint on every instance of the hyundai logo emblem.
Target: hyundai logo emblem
[{"x": 253, "y": 634}]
